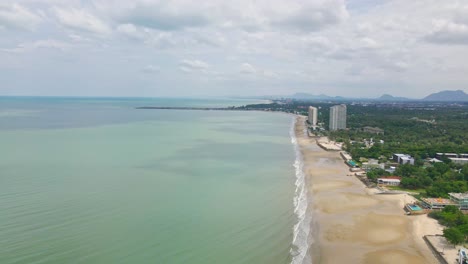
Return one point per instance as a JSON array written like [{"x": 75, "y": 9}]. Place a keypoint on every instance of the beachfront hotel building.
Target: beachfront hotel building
[
  {"x": 337, "y": 117},
  {"x": 313, "y": 112},
  {"x": 436, "y": 203}
]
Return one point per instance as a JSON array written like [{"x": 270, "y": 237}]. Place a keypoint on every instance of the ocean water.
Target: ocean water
[{"x": 94, "y": 180}]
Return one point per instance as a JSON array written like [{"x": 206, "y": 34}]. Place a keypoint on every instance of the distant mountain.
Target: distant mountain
[
  {"x": 444, "y": 96},
  {"x": 448, "y": 96},
  {"x": 387, "y": 97}
]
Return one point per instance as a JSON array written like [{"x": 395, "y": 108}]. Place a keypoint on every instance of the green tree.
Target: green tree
[
  {"x": 411, "y": 183},
  {"x": 464, "y": 171},
  {"x": 453, "y": 235}
]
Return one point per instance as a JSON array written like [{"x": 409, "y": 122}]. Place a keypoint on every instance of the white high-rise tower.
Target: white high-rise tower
[
  {"x": 313, "y": 115},
  {"x": 337, "y": 117}
]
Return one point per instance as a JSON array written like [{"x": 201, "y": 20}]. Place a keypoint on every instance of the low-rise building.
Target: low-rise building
[
  {"x": 459, "y": 160},
  {"x": 391, "y": 180},
  {"x": 372, "y": 164},
  {"x": 436, "y": 203},
  {"x": 407, "y": 160},
  {"x": 373, "y": 130},
  {"x": 403, "y": 159},
  {"x": 447, "y": 155},
  {"x": 434, "y": 160},
  {"x": 461, "y": 199},
  {"x": 391, "y": 169}
]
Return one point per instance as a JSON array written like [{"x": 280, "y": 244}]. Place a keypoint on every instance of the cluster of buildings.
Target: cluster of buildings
[{"x": 337, "y": 117}]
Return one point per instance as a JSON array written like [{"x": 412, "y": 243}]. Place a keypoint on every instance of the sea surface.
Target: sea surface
[{"x": 94, "y": 180}]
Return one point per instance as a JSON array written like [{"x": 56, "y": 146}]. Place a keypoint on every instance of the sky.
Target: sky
[{"x": 354, "y": 48}]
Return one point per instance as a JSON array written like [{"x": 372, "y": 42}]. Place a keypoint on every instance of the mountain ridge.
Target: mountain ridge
[
  {"x": 443, "y": 96},
  {"x": 448, "y": 96}
]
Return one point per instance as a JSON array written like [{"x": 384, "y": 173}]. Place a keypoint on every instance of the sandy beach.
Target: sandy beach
[{"x": 351, "y": 223}]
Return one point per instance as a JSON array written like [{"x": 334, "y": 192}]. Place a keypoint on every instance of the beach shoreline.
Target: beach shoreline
[{"x": 350, "y": 223}]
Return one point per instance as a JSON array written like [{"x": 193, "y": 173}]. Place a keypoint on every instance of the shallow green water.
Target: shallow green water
[{"x": 149, "y": 187}]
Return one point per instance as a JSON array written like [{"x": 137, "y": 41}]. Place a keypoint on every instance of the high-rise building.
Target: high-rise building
[
  {"x": 337, "y": 117},
  {"x": 313, "y": 115}
]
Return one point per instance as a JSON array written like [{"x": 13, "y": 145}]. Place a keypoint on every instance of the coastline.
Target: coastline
[{"x": 349, "y": 223}]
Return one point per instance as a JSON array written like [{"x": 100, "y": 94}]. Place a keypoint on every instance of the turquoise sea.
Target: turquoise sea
[{"x": 94, "y": 180}]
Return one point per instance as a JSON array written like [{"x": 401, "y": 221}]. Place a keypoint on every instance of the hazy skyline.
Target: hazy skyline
[{"x": 197, "y": 48}]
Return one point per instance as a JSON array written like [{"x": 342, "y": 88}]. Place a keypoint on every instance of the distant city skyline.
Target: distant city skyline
[{"x": 151, "y": 48}]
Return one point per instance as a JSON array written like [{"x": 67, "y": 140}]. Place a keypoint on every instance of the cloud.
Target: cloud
[
  {"x": 131, "y": 31},
  {"x": 311, "y": 16},
  {"x": 39, "y": 44},
  {"x": 447, "y": 32},
  {"x": 15, "y": 16},
  {"x": 166, "y": 16},
  {"x": 82, "y": 20},
  {"x": 193, "y": 65},
  {"x": 249, "y": 69},
  {"x": 369, "y": 43},
  {"x": 315, "y": 44},
  {"x": 151, "y": 69},
  {"x": 274, "y": 15}
]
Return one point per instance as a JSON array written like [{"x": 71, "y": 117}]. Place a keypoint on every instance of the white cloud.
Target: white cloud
[
  {"x": 193, "y": 65},
  {"x": 82, "y": 20},
  {"x": 447, "y": 32},
  {"x": 15, "y": 16}
]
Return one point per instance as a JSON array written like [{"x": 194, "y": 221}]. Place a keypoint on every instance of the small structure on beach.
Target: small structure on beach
[
  {"x": 414, "y": 209},
  {"x": 462, "y": 256},
  {"x": 345, "y": 156},
  {"x": 329, "y": 145}
]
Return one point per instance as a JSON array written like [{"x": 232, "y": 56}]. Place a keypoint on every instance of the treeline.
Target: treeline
[
  {"x": 406, "y": 130},
  {"x": 438, "y": 180}
]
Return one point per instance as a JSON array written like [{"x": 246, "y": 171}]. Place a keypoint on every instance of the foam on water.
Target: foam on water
[{"x": 301, "y": 232}]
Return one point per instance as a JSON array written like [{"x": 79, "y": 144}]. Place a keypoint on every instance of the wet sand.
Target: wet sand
[{"x": 352, "y": 225}]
